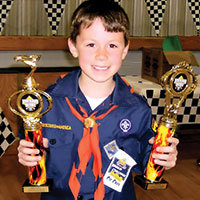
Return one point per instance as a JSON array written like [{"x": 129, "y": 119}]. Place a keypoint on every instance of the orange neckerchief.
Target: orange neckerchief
[{"x": 89, "y": 144}]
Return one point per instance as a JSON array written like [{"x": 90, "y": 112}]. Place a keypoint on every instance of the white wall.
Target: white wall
[{"x": 132, "y": 64}]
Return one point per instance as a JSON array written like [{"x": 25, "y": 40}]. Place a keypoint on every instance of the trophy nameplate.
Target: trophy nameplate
[
  {"x": 30, "y": 108},
  {"x": 178, "y": 82}
]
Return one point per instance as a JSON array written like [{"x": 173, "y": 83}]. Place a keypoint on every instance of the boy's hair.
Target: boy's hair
[{"x": 111, "y": 13}]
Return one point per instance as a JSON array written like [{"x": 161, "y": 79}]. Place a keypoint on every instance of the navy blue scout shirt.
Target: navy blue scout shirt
[{"x": 129, "y": 125}]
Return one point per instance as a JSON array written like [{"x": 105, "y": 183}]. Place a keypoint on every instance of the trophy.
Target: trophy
[
  {"x": 178, "y": 83},
  {"x": 30, "y": 108}
]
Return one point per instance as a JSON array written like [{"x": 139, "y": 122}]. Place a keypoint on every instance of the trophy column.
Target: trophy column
[
  {"x": 178, "y": 83},
  {"x": 29, "y": 108}
]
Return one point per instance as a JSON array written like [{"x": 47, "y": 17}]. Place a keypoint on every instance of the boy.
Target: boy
[{"x": 105, "y": 115}]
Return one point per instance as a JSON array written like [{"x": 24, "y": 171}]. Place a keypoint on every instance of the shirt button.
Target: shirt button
[{"x": 52, "y": 141}]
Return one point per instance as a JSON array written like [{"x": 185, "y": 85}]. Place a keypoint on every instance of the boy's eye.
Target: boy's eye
[
  {"x": 91, "y": 45},
  {"x": 112, "y": 46}
]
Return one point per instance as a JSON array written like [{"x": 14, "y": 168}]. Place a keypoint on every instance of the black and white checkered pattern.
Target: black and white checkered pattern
[
  {"x": 156, "y": 102},
  {"x": 156, "y": 9},
  {"x": 189, "y": 112},
  {"x": 6, "y": 135},
  {"x": 5, "y": 6},
  {"x": 54, "y": 10},
  {"x": 194, "y": 6}
]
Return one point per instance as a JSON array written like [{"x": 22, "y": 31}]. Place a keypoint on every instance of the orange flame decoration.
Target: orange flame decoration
[
  {"x": 154, "y": 172},
  {"x": 37, "y": 174}
]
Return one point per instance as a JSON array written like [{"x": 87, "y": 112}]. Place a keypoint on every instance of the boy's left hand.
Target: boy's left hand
[{"x": 169, "y": 153}]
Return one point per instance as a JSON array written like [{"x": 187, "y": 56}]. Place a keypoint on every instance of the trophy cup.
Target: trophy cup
[
  {"x": 178, "y": 83},
  {"x": 29, "y": 108}
]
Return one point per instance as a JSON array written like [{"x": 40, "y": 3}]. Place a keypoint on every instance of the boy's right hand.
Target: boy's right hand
[{"x": 26, "y": 154}]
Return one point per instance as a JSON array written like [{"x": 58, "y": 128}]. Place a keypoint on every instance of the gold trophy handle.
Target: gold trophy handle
[
  {"x": 28, "y": 60},
  {"x": 9, "y": 104},
  {"x": 23, "y": 116},
  {"x": 29, "y": 92},
  {"x": 30, "y": 107},
  {"x": 179, "y": 82},
  {"x": 168, "y": 81},
  {"x": 49, "y": 100}
]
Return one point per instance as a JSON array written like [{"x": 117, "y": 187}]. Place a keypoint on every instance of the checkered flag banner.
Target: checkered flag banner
[
  {"x": 189, "y": 112},
  {"x": 194, "y": 6},
  {"x": 5, "y": 6},
  {"x": 54, "y": 10},
  {"x": 156, "y": 9},
  {"x": 6, "y": 135}
]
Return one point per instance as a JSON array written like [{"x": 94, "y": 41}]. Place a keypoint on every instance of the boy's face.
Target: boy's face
[{"x": 100, "y": 53}]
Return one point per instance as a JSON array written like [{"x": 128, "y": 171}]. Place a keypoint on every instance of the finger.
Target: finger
[
  {"x": 174, "y": 141},
  {"x": 165, "y": 164},
  {"x": 26, "y": 143},
  {"x": 158, "y": 156},
  {"x": 27, "y": 164},
  {"x": 166, "y": 157},
  {"x": 28, "y": 160},
  {"x": 45, "y": 143},
  {"x": 166, "y": 160},
  {"x": 167, "y": 149},
  {"x": 151, "y": 140},
  {"x": 27, "y": 150}
]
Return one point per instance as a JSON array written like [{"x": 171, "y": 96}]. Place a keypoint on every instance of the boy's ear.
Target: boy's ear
[
  {"x": 125, "y": 51},
  {"x": 72, "y": 48}
]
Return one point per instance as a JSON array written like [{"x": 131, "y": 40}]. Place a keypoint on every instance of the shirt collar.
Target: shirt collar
[{"x": 68, "y": 86}]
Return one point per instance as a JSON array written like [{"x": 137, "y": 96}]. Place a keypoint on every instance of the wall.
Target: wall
[
  {"x": 28, "y": 17},
  {"x": 131, "y": 65}
]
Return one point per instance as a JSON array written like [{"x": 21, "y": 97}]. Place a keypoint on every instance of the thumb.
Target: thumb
[
  {"x": 45, "y": 143},
  {"x": 151, "y": 140}
]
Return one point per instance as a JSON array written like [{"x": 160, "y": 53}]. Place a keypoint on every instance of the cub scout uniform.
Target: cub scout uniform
[{"x": 92, "y": 152}]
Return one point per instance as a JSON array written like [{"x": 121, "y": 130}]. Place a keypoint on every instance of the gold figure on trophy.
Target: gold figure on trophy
[
  {"x": 179, "y": 82},
  {"x": 30, "y": 108}
]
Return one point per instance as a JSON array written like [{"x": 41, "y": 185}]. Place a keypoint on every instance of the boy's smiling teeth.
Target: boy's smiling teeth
[{"x": 100, "y": 67}]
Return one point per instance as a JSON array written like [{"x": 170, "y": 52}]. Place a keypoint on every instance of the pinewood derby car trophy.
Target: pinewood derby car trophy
[
  {"x": 178, "y": 82},
  {"x": 30, "y": 108}
]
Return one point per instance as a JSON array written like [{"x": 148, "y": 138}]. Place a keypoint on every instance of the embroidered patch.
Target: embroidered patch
[
  {"x": 118, "y": 170},
  {"x": 125, "y": 125},
  {"x": 111, "y": 149}
]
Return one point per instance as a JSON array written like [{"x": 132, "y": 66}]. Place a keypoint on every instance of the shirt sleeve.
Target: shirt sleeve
[
  {"x": 144, "y": 147},
  {"x": 144, "y": 152},
  {"x": 136, "y": 144}
]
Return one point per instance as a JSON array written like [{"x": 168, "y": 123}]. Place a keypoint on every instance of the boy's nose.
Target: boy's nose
[{"x": 101, "y": 53}]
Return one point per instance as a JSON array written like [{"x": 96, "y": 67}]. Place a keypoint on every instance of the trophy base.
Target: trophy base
[
  {"x": 147, "y": 185},
  {"x": 28, "y": 188}
]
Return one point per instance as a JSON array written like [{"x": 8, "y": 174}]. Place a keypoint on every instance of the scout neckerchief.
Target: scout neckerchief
[{"x": 89, "y": 145}]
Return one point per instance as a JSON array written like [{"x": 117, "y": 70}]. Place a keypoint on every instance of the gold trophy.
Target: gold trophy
[
  {"x": 179, "y": 82},
  {"x": 29, "y": 107}
]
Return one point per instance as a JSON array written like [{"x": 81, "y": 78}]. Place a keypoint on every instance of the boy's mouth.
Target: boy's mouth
[{"x": 97, "y": 67}]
